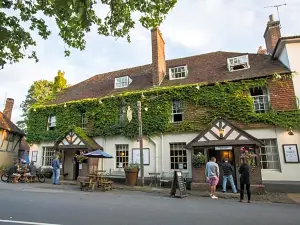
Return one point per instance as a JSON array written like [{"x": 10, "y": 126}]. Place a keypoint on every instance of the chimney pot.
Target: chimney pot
[
  {"x": 271, "y": 18},
  {"x": 8, "y": 107}
]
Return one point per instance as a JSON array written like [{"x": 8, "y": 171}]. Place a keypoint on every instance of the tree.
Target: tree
[
  {"x": 74, "y": 19},
  {"x": 39, "y": 92}
]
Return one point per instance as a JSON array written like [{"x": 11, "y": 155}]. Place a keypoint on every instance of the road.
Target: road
[{"x": 37, "y": 207}]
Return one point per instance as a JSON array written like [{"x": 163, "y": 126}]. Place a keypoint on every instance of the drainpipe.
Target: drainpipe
[
  {"x": 162, "y": 154},
  {"x": 156, "y": 155}
]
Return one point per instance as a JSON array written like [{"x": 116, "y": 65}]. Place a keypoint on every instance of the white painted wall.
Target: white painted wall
[
  {"x": 290, "y": 56},
  {"x": 160, "y": 152}
]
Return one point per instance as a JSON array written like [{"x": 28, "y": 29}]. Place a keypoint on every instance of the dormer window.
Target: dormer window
[
  {"x": 51, "y": 123},
  {"x": 238, "y": 63},
  {"x": 179, "y": 72},
  {"x": 122, "y": 82}
]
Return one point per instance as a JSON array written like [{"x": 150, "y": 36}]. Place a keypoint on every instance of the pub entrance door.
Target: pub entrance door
[{"x": 220, "y": 153}]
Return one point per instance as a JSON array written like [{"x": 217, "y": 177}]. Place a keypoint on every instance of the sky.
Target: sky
[{"x": 192, "y": 27}]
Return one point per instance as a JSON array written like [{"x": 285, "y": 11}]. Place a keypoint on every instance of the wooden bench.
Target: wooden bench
[
  {"x": 106, "y": 185},
  {"x": 86, "y": 185}
]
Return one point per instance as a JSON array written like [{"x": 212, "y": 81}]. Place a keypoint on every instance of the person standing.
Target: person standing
[
  {"x": 227, "y": 175},
  {"x": 245, "y": 180},
  {"x": 56, "y": 171},
  {"x": 212, "y": 173}
]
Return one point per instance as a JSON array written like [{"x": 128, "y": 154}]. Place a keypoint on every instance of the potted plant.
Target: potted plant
[
  {"x": 83, "y": 164},
  {"x": 3, "y": 169},
  {"x": 198, "y": 173},
  {"x": 131, "y": 174},
  {"x": 250, "y": 156}
]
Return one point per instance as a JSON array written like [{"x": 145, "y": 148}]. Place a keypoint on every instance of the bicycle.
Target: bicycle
[{"x": 8, "y": 179}]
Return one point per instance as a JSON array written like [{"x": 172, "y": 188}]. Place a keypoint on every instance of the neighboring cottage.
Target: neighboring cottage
[
  {"x": 10, "y": 135},
  {"x": 214, "y": 103}
]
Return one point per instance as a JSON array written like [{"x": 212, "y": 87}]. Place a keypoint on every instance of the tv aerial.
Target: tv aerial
[{"x": 277, "y": 7}]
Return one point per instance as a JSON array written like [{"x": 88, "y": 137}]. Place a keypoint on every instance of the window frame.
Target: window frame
[
  {"x": 51, "y": 125},
  {"x": 181, "y": 111},
  {"x": 173, "y": 72},
  {"x": 265, "y": 102},
  {"x": 122, "y": 82},
  {"x": 84, "y": 121},
  {"x": 122, "y": 159},
  {"x": 180, "y": 146},
  {"x": 269, "y": 154},
  {"x": 46, "y": 157}
]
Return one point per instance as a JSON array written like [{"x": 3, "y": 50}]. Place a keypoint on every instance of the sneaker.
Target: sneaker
[
  {"x": 214, "y": 197},
  {"x": 210, "y": 195}
]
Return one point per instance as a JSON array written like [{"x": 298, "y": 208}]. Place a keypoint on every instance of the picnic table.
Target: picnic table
[{"x": 94, "y": 180}]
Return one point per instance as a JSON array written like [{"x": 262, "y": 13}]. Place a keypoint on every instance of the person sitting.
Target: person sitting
[
  {"x": 12, "y": 171},
  {"x": 32, "y": 170}
]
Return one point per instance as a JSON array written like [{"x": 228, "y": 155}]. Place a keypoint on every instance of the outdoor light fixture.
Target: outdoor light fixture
[
  {"x": 221, "y": 132},
  {"x": 65, "y": 105},
  {"x": 291, "y": 132}
]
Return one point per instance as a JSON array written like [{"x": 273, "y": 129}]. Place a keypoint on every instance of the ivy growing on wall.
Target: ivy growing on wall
[{"x": 229, "y": 100}]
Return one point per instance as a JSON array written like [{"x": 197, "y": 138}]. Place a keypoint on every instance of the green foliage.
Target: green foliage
[
  {"x": 4, "y": 167},
  {"x": 60, "y": 83},
  {"x": 132, "y": 166},
  {"x": 230, "y": 100},
  {"x": 39, "y": 92},
  {"x": 74, "y": 19},
  {"x": 198, "y": 160}
]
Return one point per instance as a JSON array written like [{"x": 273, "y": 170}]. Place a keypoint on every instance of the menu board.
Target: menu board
[
  {"x": 291, "y": 153},
  {"x": 178, "y": 182},
  {"x": 136, "y": 156}
]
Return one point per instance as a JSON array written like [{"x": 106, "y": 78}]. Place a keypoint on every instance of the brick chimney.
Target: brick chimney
[
  {"x": 158, "y": 57},
  {"x": 272, "y": 34},
  {"x": 8, "y": 107}
]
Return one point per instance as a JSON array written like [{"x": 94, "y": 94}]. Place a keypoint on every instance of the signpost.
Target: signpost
[{"x": 178, "y": 182}]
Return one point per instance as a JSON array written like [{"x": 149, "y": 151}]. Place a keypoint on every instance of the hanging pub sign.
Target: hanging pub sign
[{"x": 178, "y": 183}]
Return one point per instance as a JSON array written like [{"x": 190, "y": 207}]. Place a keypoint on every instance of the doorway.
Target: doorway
[{"x": 220, "y": 155}]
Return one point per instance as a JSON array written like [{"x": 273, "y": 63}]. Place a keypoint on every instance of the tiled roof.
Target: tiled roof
[
  {"x": 210, "y": 68},
  {"x": 6, "y": 124}
]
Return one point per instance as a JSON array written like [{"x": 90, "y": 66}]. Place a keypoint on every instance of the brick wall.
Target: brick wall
[
  {"x": 158, "y": 57},
  {"x": 282, "y": 94}
]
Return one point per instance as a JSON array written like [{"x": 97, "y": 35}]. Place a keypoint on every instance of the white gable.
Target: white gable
[{"x": 71, "y": 139}]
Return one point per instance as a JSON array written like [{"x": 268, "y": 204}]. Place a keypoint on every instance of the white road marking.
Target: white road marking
[{"x": 25, "y": 222}]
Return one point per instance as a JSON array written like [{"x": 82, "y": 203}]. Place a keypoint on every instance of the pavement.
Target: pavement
[{"x": 62, "y": 205}]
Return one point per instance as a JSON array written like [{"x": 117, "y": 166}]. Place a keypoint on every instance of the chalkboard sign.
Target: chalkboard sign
[{"x": 178, "y": 183}]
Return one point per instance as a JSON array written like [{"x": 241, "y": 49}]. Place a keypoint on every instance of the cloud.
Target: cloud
[{"x": 192, "y": 27}]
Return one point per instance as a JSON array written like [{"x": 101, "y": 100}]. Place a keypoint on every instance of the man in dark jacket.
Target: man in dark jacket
[
  {"x": 245, "y": 179},
  {"x": 227, "y": 175},
  {"x": 56, "y": 171}
]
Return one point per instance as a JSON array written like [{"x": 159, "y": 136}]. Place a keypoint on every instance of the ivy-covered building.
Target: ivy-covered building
[{"x": 214, "y": 103}]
